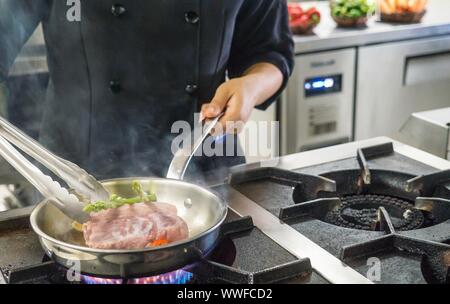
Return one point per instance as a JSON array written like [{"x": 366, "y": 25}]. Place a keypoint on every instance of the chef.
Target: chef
[{"x": 122, "y": 72}]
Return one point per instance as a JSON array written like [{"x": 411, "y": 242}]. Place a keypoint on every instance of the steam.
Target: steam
[
  {"x": 22, "y": 94},
  {"x": 127, "y": 142}
]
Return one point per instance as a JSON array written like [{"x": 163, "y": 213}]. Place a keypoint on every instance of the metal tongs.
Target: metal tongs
[{"x": 85, "y": 186}]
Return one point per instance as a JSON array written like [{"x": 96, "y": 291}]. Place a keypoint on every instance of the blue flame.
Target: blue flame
[{"x": 175, "y": 277}]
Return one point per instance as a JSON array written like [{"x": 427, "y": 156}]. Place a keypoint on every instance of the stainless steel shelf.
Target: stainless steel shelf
[{"x": 328, "y": 36}]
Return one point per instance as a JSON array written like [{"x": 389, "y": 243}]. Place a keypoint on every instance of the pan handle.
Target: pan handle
[{"x": 183, "y": 156}]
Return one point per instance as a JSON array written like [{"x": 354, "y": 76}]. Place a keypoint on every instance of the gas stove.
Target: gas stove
[
  {"x": 375, "y": 211},
  {"x": 22, "y": 261}
]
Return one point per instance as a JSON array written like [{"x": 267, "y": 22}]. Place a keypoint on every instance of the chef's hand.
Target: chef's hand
[{"x": 238, "y": 97}]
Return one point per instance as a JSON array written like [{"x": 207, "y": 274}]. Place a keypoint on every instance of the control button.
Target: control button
[
  {"x": 115, "y": 86},
  {"x": 191, "y": 89},
  {"x": 192, "y": 17},
  {"x": 118, "y": 10}
]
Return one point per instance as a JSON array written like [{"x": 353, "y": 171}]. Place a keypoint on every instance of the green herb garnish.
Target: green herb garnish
[{"x": 116, "y": 201}]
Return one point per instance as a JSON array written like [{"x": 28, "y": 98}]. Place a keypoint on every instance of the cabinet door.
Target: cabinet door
[
  {"x": 260, "y": 137},
  {"x": 395, "y": 80},
  {"x": 314, "y": 117}
]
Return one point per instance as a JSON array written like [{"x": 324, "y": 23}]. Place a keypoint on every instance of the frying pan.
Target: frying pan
[
  {"x": 52, "y": 219},
  {"x": 202, "y": 210}
]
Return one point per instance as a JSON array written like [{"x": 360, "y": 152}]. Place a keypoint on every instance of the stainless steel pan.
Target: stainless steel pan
[
  {"x": 202, "y": 210},
  {"x": 52, "y": 219}
]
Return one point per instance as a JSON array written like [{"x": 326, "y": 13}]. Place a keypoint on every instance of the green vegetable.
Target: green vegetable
[
  {"x": 352, "y": 8},
  {"x": 116, "y": 201}
]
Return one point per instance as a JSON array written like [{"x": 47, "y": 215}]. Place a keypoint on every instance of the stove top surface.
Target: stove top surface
[
  {"x": 384, "y": 213},
  {"x": 364, "y": 224}
]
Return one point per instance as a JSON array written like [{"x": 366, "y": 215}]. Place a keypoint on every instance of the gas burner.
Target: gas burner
[
  {"x": 175, "y": 277},
  {"x": 361, "y": 212},
  {"x": 412, "y": 202},
  {"x": 434, "y": 258},
  {"x": 356, "y": 205},
  {"x": 224, "y": 254}
]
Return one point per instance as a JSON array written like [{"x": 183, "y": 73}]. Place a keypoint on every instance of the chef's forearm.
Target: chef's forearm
[{"x": 267, "y": 80}]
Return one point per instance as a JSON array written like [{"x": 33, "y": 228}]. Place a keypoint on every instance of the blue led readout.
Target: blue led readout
[
  {"x": 328, "y": 83},
  {"x": 322, "y": 85}
]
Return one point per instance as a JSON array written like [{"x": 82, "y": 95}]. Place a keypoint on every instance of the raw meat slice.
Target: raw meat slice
[{"x": 134, "y": 226}]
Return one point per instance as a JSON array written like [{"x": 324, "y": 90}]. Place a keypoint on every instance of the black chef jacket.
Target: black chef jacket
[{"x": 123, "y": 74}]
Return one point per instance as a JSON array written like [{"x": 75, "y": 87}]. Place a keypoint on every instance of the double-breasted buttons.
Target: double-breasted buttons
[
  {"x": 115, "y": 86},
  {"x": 192, "y": 17},
  {"x": 118, "y": 10},
  {"x": 191, "y": 89}
]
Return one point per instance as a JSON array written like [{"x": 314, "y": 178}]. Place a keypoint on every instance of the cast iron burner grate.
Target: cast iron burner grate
[
  {"x": 354, "y": 198},
  {"x": 435, "y": 257},
  {"x": 362, "y": 212}
]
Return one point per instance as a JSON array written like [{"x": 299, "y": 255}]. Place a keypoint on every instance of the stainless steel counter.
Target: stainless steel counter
[
  {"x": 348, "y": 150},
  {"x": 328, "y": 36}
]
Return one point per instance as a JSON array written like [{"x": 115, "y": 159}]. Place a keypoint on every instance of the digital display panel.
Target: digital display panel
[{"x": 323, "y": 85}]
